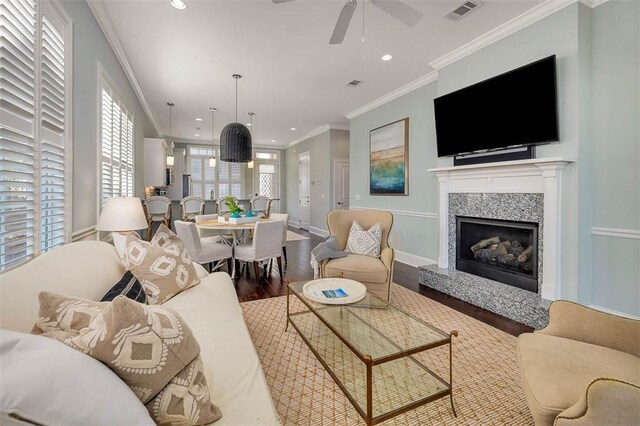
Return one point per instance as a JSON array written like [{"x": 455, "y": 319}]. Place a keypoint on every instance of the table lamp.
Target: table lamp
[{"x": 122, "y": 214}]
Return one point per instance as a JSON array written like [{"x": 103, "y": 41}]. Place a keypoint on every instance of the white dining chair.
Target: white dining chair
[
  {"x": 204, "y": 253},
  {"x": 284, "y": 218},
  {"x": 190, "y": 207},
  {"x": 158, "y": 210},
  {"x": 266, "y": 245},
  {"x": 260, "y": 204}
]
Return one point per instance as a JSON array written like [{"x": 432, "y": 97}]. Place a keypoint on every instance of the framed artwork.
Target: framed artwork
[{"x": 389, "y": 159}]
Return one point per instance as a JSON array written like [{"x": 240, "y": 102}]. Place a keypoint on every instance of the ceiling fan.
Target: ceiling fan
[{"x": 396, "y": 8}]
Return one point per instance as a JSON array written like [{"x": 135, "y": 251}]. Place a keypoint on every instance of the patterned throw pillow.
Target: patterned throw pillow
[
  {"x": 364, "y": 242},
  {"x": 61, "y": 313},
  {"x": 154, "y": 352},
  {"x": 128, "y": 286},
  {"x": 163, "y": 266}
]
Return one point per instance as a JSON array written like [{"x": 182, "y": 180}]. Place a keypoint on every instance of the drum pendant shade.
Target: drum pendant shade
[{"x": 235, "y": 138}]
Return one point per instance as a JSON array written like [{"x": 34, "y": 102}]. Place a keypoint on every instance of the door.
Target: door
[
  {"x": 341, "y": 185},
  {"x": 304, "y": 190}
]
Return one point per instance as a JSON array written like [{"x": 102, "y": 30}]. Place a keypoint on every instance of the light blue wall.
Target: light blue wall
[
  {"x": 91, "y": 47},
  {"x": 597, "y": 70},
  {"x": 411, "y": 234}
]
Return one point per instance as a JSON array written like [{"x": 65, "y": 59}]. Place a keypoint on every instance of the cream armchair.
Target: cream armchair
[
  {"x": 374, "y": 273},
  {"x": 583, "y": 368}
]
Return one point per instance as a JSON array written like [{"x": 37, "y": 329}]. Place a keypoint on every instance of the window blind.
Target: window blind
[
  {"x": 230, "y": 179},
  {"x": 33, "y": 136},
  {"x": 116, "y": 134}
]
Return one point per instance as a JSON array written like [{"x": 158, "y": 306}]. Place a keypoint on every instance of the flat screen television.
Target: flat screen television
[{"x": 516, "y": 108}]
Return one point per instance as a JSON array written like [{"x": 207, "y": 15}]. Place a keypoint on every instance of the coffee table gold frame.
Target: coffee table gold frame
[{"x": 371, "y": 361}]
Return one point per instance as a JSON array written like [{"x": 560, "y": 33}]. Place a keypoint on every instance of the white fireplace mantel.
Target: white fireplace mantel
[{"x": 539, "y": 175}]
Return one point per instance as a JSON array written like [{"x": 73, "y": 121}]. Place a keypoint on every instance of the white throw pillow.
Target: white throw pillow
[
  {"x": 363, "y": 242},
  {"x": 46, "y": 382}
]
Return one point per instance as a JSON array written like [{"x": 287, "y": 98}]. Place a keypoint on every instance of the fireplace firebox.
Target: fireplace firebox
[{"x": 501, "y": 250}]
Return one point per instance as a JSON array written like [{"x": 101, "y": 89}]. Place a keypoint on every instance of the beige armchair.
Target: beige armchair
[
  {"x": 374, "y": 273},
  {"x": 583, "y": 368}
]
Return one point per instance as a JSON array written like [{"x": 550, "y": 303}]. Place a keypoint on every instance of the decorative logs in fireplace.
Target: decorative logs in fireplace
[{"x": 505, "y": 253}]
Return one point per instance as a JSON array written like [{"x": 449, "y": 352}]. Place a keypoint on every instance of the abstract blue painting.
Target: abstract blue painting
[{"x": 389, "y": 150}]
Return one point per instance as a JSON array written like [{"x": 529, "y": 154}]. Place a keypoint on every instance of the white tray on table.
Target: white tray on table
[
  {"x": 356, "y": 291},
  {"x": 238, "y": 220}
]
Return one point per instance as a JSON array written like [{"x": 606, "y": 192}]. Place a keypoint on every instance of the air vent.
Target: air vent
[
  {"x": 463, "y": 10},
  {"x": 354, "y": 83}
]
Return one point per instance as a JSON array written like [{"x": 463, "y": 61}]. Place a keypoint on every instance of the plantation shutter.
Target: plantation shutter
[
  {"x": 33, "y": 134},
  {"x": 230, "y": 179}
]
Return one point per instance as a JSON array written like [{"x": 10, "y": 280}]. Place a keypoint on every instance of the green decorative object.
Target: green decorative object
[{"x": 234, "y": 208}]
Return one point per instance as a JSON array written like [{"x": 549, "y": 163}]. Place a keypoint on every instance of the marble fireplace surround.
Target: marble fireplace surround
[{"x": 523, "y": 190}]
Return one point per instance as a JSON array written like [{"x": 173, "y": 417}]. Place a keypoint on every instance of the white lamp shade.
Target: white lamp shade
[
  {"x": 170, "y": 160},
  {"x": 122, "y": 214}
]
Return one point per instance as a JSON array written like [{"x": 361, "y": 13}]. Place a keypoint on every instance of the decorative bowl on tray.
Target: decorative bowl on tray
[{"x": 334, "y": 291}]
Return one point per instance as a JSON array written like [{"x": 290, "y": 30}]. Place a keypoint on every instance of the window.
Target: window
[
  {"x": 230, "y": 179},
  {"x": 116, "y": 146},
  {"x": 34, "y": 141},
  {"x": 267, "y": 180},
  {"x": 203, "y": 177}
]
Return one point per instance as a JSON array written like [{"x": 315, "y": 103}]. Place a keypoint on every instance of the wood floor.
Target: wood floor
[{"x": 298, "y": 269}]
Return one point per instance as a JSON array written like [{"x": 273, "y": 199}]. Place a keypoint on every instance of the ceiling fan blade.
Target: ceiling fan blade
[
  {"x": 281, "y": 1},
  {"x": 342, "y": 25},
  {"x": 399, "y": 10}
]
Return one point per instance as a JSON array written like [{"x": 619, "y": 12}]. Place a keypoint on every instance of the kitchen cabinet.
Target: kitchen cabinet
[{"x": 155, "y": 162}]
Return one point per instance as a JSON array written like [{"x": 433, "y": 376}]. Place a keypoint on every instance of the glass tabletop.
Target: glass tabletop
[{"x": 374, "y": 327}]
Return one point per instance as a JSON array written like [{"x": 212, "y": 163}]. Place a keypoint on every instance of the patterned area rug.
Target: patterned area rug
[{"x": 487, "y": 388}]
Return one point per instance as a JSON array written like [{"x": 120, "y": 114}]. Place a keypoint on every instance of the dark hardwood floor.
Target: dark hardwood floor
[{"x": 298, "y": 269}]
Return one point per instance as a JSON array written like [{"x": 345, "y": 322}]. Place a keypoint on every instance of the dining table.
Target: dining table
[{"x": 238, "y": 231}]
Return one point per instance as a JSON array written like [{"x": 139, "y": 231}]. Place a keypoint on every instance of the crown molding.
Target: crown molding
[
  {"x": 410, "y": 87},
  {"x": 593, "y": 3},
  {"x": 519, "y": 22},
  {"x": 318, "y": 131},
  {"x": 104, "y": 20}
]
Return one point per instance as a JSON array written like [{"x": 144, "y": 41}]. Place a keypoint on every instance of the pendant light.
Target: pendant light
[
  {"x": 235, "y": 138},
  {"x": 170, "y": 158},
  {"x": 251, "y": 114},
  {"x": 212, "y": 160}
]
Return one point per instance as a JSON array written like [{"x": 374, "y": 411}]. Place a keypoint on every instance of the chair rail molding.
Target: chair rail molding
[
  {"x": 538, "y": 175},
  {"x": 425, "y": 215},
  {"x": 633, "y": 234}
]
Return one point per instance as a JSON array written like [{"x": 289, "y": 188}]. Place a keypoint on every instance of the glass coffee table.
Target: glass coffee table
[{"x": 369, "y": 348}]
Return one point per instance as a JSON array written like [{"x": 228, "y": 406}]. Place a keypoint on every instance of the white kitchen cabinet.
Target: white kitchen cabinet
[
  {"x": 155, "y": 162},
  {"x": 174, "y": 192}
]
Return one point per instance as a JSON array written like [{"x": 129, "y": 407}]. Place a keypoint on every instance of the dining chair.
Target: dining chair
[
  {"x": 190, "y": 207},
  {"x": 261, "y": 204},
  {"x": 157, "y": 210},
  {"x": 266, "y": 244},
  {"x": 204, "y": 253},
  {"x": 284, "y": 218},
  {"x": 221, "y": 206}
]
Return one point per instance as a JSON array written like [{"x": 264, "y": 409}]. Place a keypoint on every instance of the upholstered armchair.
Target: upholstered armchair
[
  {"x": 583, "y": 368},
  {"x": 374, "y": 273}
]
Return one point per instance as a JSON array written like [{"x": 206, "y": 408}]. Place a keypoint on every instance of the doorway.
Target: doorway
[
  {"x": 340, "y": 185},
  {"x": 304, "y": 189}
]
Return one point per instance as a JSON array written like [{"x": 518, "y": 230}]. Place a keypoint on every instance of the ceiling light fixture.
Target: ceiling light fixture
[
  {"x": 235, "y": 138},
  {"x": 170, "y": 158},
  {"x": 293, "y": 129},
  {"x": 198, "y": 119},
  {"x": 273, "y": 140},
  {"x": 179, "y": 4},
  {"x": 387, "y": 57},
  {"x": 212, "y": 160},
  {"x": 251, "y": 114},
  {"x": 196, "y": 134}
]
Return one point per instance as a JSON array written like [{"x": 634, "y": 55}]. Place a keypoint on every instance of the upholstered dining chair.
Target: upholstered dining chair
[
  {"x": 204, "y": 253},
  {"x": 260, "y": 204},
  {"x": 190, "y": 207},
  {"x": 285, "y": 220},
  {"x": 221, "y": 206},
  {"x": 375, "y": 273},
  {"x": 266, "y": 245},
  {"x": 158, "y": 210}
]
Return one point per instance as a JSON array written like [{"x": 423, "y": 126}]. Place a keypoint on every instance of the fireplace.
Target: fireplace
[{"x": 501, "y": 250}]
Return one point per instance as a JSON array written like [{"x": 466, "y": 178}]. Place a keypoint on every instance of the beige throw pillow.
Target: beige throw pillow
[
  {"x": 363, "y": 242},
  {"x": 163, "y": 266},
  {"x": 61, "y": 313},
  {"x": 153, "y": 351}
]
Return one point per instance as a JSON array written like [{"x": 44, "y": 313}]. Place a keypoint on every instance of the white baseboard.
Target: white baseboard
[
  {"x": 318, "y": 231},
  {"x": 412, "y": 259},
  {"x": 294, "y": 224},
  {"x": 613, "y": 312}
]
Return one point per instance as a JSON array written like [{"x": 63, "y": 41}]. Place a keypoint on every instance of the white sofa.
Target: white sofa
[{"x": 88, "y": 269}]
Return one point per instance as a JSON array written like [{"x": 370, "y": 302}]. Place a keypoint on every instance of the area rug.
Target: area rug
[
  {"x": 487, "y": 387},
  {"x": 292, "y": 236}
]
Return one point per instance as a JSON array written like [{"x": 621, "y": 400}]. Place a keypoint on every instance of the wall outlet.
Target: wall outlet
[{"x": 357, "y": 197}]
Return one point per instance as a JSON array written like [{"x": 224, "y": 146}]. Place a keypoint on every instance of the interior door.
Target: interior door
[
  {"x": 341, "y": 185},
  {"x": 304, "y": 190}
]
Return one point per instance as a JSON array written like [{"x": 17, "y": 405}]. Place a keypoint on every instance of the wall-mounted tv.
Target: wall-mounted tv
[{"x": 518, "y": 107}]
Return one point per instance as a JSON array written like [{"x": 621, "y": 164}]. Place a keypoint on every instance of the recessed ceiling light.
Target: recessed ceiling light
[
  {"x": 248, "y": 124},
  {"x": 387, "y": 57},
  {"x": 273, "y": 140},
  {"x": 293, "y": 128},
  {"x": 196, "y": 134},
  {"x": 198, "y": 119},
  {"x": 179, "y": 4}
]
